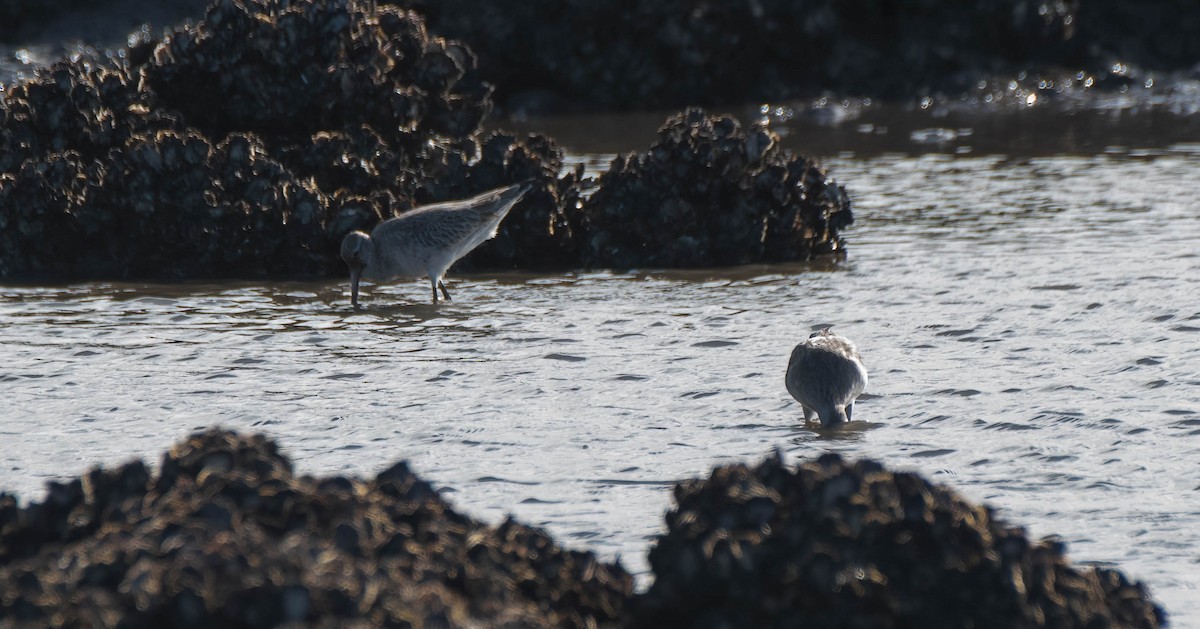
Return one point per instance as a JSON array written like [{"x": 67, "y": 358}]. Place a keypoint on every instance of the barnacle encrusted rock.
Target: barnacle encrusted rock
[
  {"x": 244, "y": 145},
  {"x": 248, "y": 144},
  {"x": 225, "y": 534},
  {"x": 710, "y": 193},
  {"x": 834, "y": 543}
]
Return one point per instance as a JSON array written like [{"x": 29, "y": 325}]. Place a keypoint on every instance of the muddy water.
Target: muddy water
[{"x": 1031, "y": 322}]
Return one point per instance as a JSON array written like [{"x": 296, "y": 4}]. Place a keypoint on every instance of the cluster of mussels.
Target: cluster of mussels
[
  {"x": 708, "y": 192},
  {"x": 245, "y": 145},
  {"x": 839, "y": 544},
  {"x": 248, "y": 144},
  {"x": 225, "y": 535}
]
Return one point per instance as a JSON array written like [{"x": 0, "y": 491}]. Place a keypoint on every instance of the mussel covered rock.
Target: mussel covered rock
[
  {"x": 245, "y": 145},
  {"x": 225, "y": 534},
  {"x": 248, "y": 144},
  {"x": 709, "y": 193},
  {"x": 834, "y": 543}
]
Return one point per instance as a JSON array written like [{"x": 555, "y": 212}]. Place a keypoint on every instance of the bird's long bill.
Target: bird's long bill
[{"x": 355, "y": 274}]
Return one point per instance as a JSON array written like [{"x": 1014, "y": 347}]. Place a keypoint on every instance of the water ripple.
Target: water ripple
[{"x": 1023, "y": 321}]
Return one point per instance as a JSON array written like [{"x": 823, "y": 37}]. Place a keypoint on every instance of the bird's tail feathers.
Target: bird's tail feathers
[{"x": 512, "y": 194}]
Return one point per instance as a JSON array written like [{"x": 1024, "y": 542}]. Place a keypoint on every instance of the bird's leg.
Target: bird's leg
[
  {"x": 849, "y": 411},
  {"x": 433, "y": 287},
  {"x": 445, "y": 293},
  {"x": 808, "y": 413}
]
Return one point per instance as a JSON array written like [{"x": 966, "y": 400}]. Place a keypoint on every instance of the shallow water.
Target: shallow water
[{"x": 1031, "y": 325}]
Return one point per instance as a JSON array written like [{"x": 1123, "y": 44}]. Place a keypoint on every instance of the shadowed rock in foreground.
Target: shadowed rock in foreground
[
  {"x": 225, "y": 534},
  {"x": 834, "y": 543}
]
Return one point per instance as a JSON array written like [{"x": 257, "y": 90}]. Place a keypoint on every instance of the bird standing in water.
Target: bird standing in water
[
  {"x": 826, "y": 375},
  {"x": 425, "y": 241}
]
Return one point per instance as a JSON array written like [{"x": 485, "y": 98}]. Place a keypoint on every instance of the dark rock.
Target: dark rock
[
  {"x": 708, "y": 193},
  {"x": 227, "y": 535},
  {"x": 617, "y": 54},
  {"x": 640, "y": 54},
  {"x": 839, "y": 544},
  {"x": 246, "y": 145},
  {"x": 607, "y": 54},
  {"x": 1156, "y": 35},
  {"x": 543, "y": 230},
  {"x": 250, "y": 143}
]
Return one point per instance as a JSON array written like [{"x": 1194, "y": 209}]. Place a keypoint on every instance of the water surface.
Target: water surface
[{"x": 1030, "y": 320}]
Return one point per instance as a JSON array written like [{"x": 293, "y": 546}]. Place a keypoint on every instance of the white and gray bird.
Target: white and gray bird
[
  {"x": 826, "y": 375},
  {"x": 425, "y": 241}
]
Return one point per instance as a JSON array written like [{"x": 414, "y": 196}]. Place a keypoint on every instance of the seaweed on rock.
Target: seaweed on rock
[{"x": 708, "y": 193}]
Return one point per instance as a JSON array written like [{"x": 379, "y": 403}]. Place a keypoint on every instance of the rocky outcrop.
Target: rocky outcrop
[
  {"x": 249, "y": 144},
  {"x": 246, "y": 145},
  {"x": 835, "y": 543},
  {"x": 226, "y": 535},
  {"x": 615, "y": 54},
  {"x": 610, "y": 54},
  {"x": 710, "y": 193},
  {"x": 545, "y": 56}
]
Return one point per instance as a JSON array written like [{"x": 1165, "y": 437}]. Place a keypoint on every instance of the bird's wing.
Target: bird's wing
[
  {"x": 448, "y": 231},
  {"x": 493, "y": 202},
  {"x": 430, "y": 227}
]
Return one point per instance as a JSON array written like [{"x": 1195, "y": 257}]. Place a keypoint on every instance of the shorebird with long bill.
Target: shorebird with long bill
[{"x": 425, "y": 241}]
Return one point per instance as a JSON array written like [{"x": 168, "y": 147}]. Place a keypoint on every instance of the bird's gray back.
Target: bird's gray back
[
  {"x": 429, "y": 227},
  {"x": 432, "y": 237},
  {"x": 825, "y": 369},
  {"x": 489, "y": 204}
]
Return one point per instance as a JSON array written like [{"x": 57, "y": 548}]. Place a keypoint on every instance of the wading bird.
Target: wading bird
[
  {"x": 825, "y": 375},
  {"x": 425, "y": 241}
]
